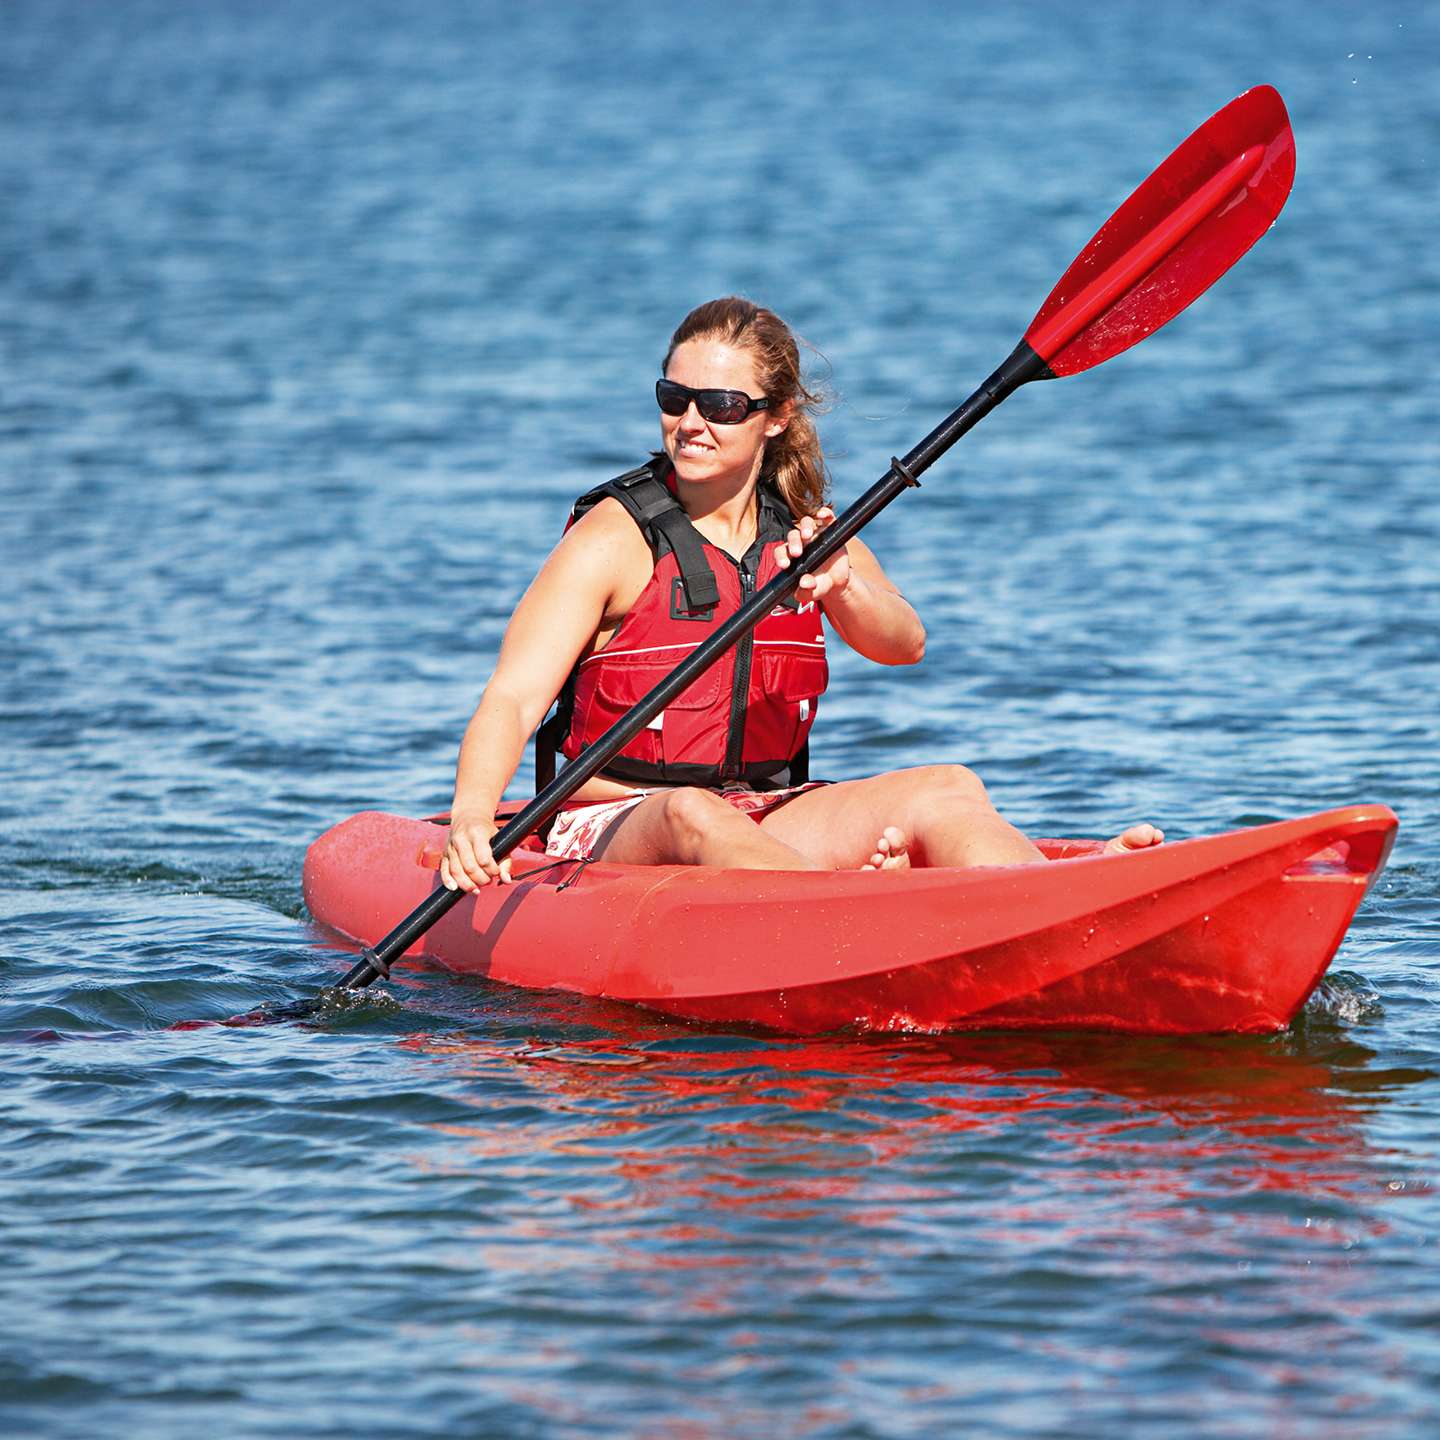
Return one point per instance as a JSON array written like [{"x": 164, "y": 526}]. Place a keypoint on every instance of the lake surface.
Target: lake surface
[{"x": 312, "y": 320}]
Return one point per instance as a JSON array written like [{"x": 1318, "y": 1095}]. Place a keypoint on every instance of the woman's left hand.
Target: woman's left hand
[{"x": 832, "y": 578}]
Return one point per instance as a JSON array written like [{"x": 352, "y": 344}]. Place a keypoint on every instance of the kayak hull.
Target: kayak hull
[{"x": 1224, "y": 933}]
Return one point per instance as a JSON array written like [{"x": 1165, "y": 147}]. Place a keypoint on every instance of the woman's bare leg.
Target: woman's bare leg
[
  {"x": 933, "y": 815},
  {"x": 943, "y": 811},
  {"x": 697, "y": 827}
]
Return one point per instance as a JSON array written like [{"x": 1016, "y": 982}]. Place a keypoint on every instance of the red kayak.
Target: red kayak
[{"x": 1226, "y": 933}]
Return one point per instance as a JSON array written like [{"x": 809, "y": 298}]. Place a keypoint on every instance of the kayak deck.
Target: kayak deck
[{"x": 1223, "y": 933}]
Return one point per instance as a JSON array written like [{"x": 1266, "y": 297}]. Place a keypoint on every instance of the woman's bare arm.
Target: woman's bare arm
[
  {"x": 869, "y": 614},
  {"x": 554, "y": 623}
]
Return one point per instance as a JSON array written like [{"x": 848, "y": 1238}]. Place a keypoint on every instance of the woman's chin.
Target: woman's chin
[{"x": 694, "y": 467}]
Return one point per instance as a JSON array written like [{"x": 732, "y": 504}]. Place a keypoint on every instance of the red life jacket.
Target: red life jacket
[{"x": 746, "y": 720}]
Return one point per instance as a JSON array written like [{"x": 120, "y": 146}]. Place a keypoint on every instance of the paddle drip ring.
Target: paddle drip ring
[{"x": 904, "y": 472}]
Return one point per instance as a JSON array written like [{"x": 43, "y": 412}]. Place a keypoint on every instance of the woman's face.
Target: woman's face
[{"x": 699, "y": 449}]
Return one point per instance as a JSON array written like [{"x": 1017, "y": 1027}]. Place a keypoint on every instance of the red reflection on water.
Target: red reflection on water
[
  {"x": 1205, "y": 1115},
  {"x": 1223, "y": 1184}
]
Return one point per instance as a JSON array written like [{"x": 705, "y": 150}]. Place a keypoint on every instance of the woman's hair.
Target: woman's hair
[{"x": 793, "y": 461}]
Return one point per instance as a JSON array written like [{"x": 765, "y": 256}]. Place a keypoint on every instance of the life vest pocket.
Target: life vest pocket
[
  {"x": 689, "y": 727},
  {"x": 792, "y": 672},
  {"x": 623, "y": 683},
  {"x": 788, "y": 683}
]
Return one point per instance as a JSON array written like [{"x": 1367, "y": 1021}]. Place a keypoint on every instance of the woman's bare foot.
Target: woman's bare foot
[
  {"x": 891, "y": 851},
  {"x": 1137, "y": 837}
]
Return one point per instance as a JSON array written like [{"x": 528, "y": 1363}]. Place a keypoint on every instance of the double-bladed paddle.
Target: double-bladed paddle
[{"x": 1195, "y": 216}]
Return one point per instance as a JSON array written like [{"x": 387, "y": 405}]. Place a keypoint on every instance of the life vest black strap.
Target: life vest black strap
[
  {"x": 759, "y": 778},
  {"x": 661, "y": 518},
  {"x": 550, "y": 737},
  {"x": 800, "y": 765}
]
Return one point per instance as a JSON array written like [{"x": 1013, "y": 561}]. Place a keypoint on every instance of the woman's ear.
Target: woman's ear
[{"x": 782, "y": 416}]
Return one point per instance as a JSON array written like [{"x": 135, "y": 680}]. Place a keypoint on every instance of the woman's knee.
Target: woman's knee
[
  {"x": 951, "y": 785},
  {"x": 691, "y": 814}
]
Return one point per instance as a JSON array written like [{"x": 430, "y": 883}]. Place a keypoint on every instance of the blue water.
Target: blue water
[{"x": 311, "y": 321}]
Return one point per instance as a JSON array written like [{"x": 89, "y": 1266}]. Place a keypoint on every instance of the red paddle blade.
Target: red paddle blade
[{"x": 1200, "y": 211}]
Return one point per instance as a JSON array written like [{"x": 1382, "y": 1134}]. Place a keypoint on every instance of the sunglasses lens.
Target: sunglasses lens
[
  {"x": 723, "y": 407},
  {"x": 674, "y": 399}
]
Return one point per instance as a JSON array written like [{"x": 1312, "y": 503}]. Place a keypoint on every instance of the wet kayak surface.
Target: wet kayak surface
[
  {"x": 312, "y": 325},
  {"x": 1223, "y": 934}
]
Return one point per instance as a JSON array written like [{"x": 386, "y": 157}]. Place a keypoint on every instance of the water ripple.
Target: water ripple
[{"x": 302, "y": 322}]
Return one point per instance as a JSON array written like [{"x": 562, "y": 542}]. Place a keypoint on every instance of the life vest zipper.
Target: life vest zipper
[{"x": 740, "y": 688}]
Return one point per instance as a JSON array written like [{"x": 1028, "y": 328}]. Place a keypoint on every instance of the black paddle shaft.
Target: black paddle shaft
[{"x": 1023, "y": 364}]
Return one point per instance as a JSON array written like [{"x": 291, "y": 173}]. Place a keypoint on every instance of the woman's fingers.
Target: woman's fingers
[
  {"x": 805, "y": 529},
  {"x": 455, "y": 867},
  {"x": 470, "y": 864},
  {"x": 467, "y": 863},
  {"x": 823, "y": 583}
]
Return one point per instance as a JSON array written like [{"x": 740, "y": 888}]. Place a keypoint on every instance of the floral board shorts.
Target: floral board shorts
[{"x": 578, "y": 830}]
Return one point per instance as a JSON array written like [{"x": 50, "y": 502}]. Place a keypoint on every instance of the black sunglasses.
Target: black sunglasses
[{"x": 720, "y": 407}]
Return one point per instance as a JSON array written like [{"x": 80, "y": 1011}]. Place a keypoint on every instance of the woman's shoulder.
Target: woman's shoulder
[
  {"x": 606, "y": 532},
  {"x": 607, "y": 516}
]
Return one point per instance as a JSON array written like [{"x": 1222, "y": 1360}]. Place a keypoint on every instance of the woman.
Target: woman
[{"x": 650, "y": 562}]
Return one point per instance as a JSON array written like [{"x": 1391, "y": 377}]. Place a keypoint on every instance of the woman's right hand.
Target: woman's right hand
[{"x": 467, "y": 863}]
